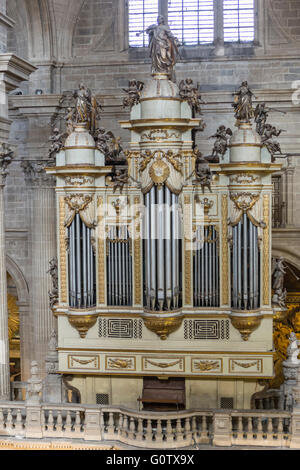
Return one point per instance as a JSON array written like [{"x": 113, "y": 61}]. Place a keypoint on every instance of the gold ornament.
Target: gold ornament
[
  {"x": 82, "y": 323},
  {"x": 159, "y": 172},
  {"x": 245, "y": 324},
  {"x": 162, "y": 327}
]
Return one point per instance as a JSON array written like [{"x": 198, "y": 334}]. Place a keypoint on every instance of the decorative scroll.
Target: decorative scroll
[
  {"x": 101, "y": 251},
  {"x": 80, "y": 204},
  {"x": 120, "y": 363},
  {"x": 266, "y": 250},
  {"x": 157, "y": 135},
  {"x": 62, "y": 250},
  {"x": 225, "y": 255}
]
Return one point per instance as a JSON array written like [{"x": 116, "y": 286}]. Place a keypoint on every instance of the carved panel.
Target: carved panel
[
  {"x": 83, "y": 362},
  {"x": 120, "y": 328},
  {"x": 206, "y": 329},
  {"x": 161, "y": 364},
  {"x": 120, "y": 363},
  {"x": 245, "y": 366},
  {"x": 206, "y": 365}
]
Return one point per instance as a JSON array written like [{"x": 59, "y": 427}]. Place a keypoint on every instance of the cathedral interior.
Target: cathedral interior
[{"x": 150, "y": 218}]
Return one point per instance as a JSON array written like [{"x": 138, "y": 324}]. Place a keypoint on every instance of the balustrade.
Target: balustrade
[{"x": 147, "y": 429}]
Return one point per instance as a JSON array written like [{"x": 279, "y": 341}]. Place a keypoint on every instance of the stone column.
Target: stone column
[
  {"x": 5, "y": 159},
  {"x": 43, "y": 250}
]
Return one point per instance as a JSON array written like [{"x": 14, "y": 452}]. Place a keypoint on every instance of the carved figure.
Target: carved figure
[
  {"x": 191, "y": 94},
  {"x": 279, "y": 272},
  {"x": 57, "y": 143},
  {"x": 53, "y": 271},
  {"x": 6, "y": 156},
  {"x": 110, "y": 146},
  {"x": 243, "y": 103},
  {"x": 133, "y": 93},
  {"x": 268, "y": 139},
  {"x": 119, "y": 179},
  {"x": 261, "y": 114},
  {"x": 70, "y": 120},
  {"x": 87, "y": 108},
  {"x": 221, "y": 144},
  {"x": 163, "y": 47},
  {"x": 202, "y": 171}
]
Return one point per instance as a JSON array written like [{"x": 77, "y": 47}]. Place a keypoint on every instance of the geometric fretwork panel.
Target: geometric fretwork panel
[
  {"x": 120, "y": 328},
  {"x": 206, "y": 329}
]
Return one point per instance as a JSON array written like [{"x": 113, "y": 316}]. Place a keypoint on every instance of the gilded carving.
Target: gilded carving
[
  {"x": 187, "y": 252},
  {"x": 161, "y": 326},
  {"x": 62, "y": 249},
  {"x": 245, "y": 365},
  {"x": 137, "y": 258},
  {"x": 225, "y": 255},
  {"x": 163, "y": 365},
  {"x": 157, "y": 135},
  {"x": 78, "y": 180},
  {"x": 101, "y": 251},
  {"x": 205, "y": 366},
  {"x": 82, "y": 323},
  {"x": 159, "y": 172},
  {"x": 266, "y": 251},
  {"x": 245, "y": 324},
  {"x": 244, "y": 201},
  {"x": 243, "y": 178},
  {"x": 120, "y": 363},
  {"x": 84, "y": 362},
  {"x": 78, "y": 202}
]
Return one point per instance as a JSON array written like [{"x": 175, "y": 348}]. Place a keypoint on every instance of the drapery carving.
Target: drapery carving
[
  {"x": 245, "y": 202},
  {"x": 158, "y": 168},
  {"x": 80, "y": 204}
]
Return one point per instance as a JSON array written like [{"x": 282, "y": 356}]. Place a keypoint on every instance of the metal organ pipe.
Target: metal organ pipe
[
  {"x": 162, "y": 250},
  {"x": 206, "y": 268},
  {"x": 119, "y": 267},
  {"x": 245, "y": 265},
  {"x": 81, "y": 265}
]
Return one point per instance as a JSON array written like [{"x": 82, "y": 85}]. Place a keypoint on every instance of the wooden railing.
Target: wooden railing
[{"x": 146, "y": 430}]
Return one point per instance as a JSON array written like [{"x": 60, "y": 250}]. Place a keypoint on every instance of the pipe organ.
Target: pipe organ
[{"x": 166, "y": 254}]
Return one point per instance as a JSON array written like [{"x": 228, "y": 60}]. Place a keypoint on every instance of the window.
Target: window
[
  {"x": 141, "y": 14},
  {"x": 194, "y": 22},
  {"x": 238, "y": 20}
]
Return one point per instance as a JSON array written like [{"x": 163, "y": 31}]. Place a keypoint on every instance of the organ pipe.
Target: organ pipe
[
  {"x": 81, "y": 265},
  {"x": 206, "y": 268},
  {"x": 245, "y": 265},
  {"x": 119, "y": 266}
]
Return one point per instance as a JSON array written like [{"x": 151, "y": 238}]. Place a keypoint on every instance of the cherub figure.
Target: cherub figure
[
  {"x": 56, "y": 143},
  {"x": 133, "y": 93},
  {"x": 268, "y": 139},
  {"x": 6, "y": 156},
  {"x": 191, "y": 94},
  {"x": 119, "y": 179},
  {"x": 261, "y": 114},
  {"x": 202, "y": 171},
  {"x": 69, "y": 118},
  {"x": 221, "y": 144}
]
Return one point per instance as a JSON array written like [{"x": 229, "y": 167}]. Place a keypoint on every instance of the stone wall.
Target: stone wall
[{"x": 73, "y": 41}]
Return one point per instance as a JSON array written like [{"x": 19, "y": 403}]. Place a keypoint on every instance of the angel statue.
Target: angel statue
[
  {"x": 163, "y": 47},
  {"x": 202, "y": 171},
  {"x": 279, "y": 272},
  {"x": 268, "y": 139},
  {"x": 57, "y": 143},
  {"x": 221, "y": 143},
  {"x": 87, "y": 108},
  {"x": 243, "y": 103},
  {"x": 133, "y": 93},
  {"x": 190, "y": 93}
]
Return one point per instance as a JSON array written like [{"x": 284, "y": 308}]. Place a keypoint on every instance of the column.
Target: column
[
  {"x": 43, "y": 249},
  {"x": 4, "y": 342}
]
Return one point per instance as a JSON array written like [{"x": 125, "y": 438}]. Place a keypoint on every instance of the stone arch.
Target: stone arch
[
  {"x": 21, "y": 283},
  {"x": 289, "y": 255}
]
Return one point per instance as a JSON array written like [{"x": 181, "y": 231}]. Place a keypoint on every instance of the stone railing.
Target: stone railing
[{"x": 147, "y": 429}]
